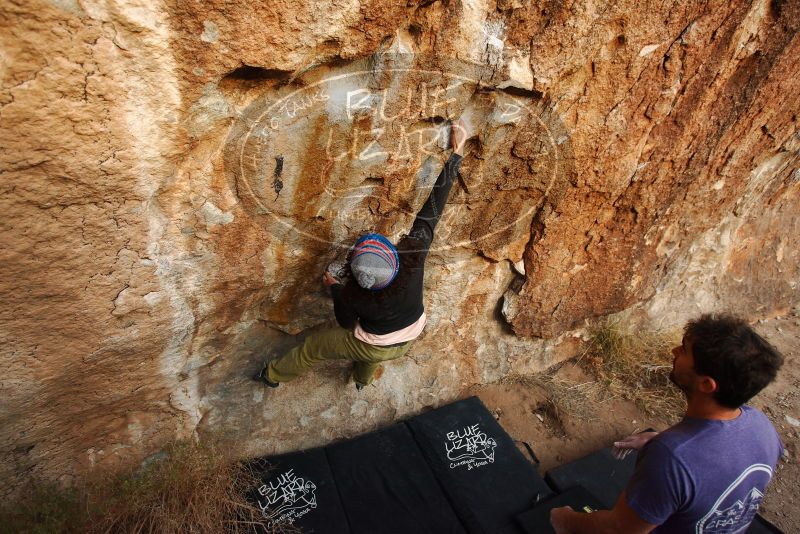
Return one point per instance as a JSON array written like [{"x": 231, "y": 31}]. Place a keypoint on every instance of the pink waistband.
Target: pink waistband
[{"x": 408, "y": 333}]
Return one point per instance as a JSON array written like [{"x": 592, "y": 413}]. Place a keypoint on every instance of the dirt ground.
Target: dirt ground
[{"x": 578, "y": 422}]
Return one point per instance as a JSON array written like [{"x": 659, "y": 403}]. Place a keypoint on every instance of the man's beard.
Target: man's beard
[{"x": 674, "y": 379}]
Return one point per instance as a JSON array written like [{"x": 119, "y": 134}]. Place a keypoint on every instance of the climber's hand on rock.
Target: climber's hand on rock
[
  {"x": 634, "y": 442},
  {"x": 328, "y": 279},
  {"x": 459, "y": 136}
]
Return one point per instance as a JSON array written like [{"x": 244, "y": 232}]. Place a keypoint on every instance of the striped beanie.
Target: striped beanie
[{"x": 374, "y": 262}]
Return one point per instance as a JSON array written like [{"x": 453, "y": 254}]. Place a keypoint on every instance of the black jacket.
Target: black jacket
[{"x": 400, "y": 304}]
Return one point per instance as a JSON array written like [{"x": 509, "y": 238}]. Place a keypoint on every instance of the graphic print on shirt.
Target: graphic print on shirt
[
  {"x": 738, "y": 504},
  {"x": 286, "y": 497},
  {"x": 469, "y": 447}
]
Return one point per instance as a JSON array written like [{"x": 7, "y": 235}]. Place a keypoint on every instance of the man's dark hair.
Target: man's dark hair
[{"x": 728, "y": 350}]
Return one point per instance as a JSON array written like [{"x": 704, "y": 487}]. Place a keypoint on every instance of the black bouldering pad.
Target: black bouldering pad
[
  {"x": 537, "y": 520},
  {"x": 599, "y": 473},
  {"x": 298, "y": 489},
  {"x": 485, "y": 476},
  {"x": 387, "y": 487},
  {"x": 762, "y": 526}
]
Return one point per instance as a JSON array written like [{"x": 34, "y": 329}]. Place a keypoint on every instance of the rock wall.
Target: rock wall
[{"x": 176, "y": 176}]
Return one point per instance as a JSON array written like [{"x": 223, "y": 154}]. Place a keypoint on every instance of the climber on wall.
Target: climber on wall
[{"x": 380, "y": 309}]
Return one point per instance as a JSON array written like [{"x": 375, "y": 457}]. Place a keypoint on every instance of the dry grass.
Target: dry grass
[
  {"x": 563, "y": 399},
  {"x": 635, "y": 366},
  {"x": 194, "y": 489}
]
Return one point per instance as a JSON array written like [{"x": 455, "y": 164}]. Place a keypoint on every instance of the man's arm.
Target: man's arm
[
  {"x": 619, "y": 520},
  {"x": 659, "y": 487}
]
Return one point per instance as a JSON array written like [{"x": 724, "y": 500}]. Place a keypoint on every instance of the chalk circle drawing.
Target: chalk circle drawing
[
  {"x": 359, "y": 145},
  {"x": 286, "y": 498},
  {"x": 469, "y": 448}
]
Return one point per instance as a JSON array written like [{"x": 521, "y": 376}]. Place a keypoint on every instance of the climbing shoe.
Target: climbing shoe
[
  {"x": 377, "y": 375},
  {"x": 264, "y": 379}
]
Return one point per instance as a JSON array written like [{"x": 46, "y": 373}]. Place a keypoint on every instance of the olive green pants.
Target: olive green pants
[{"x": 334, "y": 344}]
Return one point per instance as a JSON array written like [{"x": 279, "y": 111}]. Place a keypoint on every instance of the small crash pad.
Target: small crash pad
[
  {"x": 485, "y": 476},
  {"x": 387, "y": 487},
  {"x": 762, "y": 526},
  {"x": 298, "y": 489},
  {"x": 537, "y": 519},
  {"x": 599, "y": 473}
]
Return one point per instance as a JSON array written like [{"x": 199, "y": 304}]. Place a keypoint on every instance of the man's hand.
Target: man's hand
[
  {"x": 558, "y": 519},
  {"x": 634, "y": 442},
  {"x": 328, "y": 279}
]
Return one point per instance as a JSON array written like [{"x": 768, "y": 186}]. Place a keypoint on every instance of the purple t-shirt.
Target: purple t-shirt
[{"x": 705, "y": 476}]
